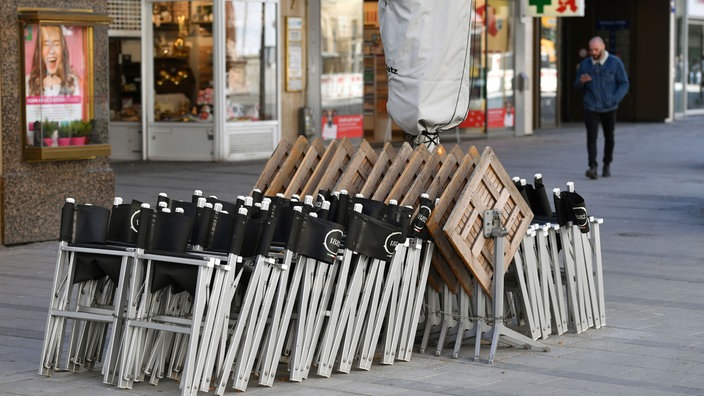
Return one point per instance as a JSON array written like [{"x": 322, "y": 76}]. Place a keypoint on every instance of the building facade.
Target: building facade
[
  {"x": 37, "y": 171},
  {"x": 226, "y": 80}
]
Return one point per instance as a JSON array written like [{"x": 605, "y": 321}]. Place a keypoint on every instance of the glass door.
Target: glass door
[
  {"x": 341, "y": 78},
  {"x": 548, "y": 78},
  {"x": 180, "y": 102},
  {"x": 491, "y": 103},
  {"x": 250, "y": 61},
  {"x": 125, "y": 128},
  {"x": 679, "y": 95},
  {"x": 695, "y": 61}
]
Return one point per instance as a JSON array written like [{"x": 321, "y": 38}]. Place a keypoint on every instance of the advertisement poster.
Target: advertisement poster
[
  {"x": 55, "y": 75},
  {"x": 341, "y": 126},
  {"x": 502, "y": 117}
]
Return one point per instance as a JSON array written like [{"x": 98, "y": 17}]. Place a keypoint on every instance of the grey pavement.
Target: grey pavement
[{"x": 653, "y": 252}]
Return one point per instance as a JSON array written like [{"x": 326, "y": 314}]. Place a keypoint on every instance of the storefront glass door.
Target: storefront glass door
[
  {"x": 341, "y": 77},
  {"x": 183, "y": 57},
  {"x": 548, "y": 72},
  {"x": 679, "y": 95},
  {"x": 695, "y": 61},
  {"x": 491, "y": 99},
  {"x": 250, "y": 61},
  {"x": 180, "y": 114}
]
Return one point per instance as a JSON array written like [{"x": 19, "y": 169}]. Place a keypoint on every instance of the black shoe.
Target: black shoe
[
  {"x": 606, "y": 172},
  {"x": 591, "y": 173}
]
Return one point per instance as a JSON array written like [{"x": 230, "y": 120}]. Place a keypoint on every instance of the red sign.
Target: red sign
[
  {"x": 498, "y": 118},
  {"x": 342, "y": 126}
]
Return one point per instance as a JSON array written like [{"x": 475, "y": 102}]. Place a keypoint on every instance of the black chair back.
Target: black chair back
[
  {"x": 91, "y": 225},
  {"x": 124, "y": 224}
]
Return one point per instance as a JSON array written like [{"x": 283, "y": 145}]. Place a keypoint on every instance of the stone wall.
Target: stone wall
[{"x": 31, "y": 194}]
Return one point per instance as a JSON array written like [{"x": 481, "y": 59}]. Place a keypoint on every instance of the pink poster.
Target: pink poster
[{"x": 55, "y": 73}]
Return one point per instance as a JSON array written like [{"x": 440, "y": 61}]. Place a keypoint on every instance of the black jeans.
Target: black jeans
[{"x": 608, "y": 124}]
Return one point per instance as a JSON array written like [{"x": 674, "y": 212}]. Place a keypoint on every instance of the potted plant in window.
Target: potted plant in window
[
  {"x": 50, "y": 133},
  {"x": 81, "y": 131},
  {"x": 64, "y": 134}
]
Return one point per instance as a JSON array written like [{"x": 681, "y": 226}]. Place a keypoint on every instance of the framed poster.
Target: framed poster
[{"x": 56, "y": 74}]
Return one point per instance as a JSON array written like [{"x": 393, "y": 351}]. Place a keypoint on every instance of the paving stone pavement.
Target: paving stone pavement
[{"x": 653, "y": 254}]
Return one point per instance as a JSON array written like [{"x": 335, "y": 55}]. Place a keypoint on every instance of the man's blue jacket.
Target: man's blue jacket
[{"x": 608, "y": 86}]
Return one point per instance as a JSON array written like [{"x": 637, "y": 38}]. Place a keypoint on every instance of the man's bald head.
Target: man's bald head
[{"x": 596, "y": 48}]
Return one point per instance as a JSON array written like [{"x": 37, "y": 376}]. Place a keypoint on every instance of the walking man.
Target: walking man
[{"x": 603, "y": 81}]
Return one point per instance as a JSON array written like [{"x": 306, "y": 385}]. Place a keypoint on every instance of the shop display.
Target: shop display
[{"x": 183, "y": 48}]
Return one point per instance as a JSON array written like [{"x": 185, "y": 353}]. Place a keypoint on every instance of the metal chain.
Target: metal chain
[{"x": 472, "y": 318}]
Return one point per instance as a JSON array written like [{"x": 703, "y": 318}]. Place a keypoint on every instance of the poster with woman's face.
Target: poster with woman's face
[{"x": 54, "y": 69}]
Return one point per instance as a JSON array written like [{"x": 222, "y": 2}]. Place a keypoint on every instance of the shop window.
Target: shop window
[
  {"x": 251, "y": 49},
  {"x": 548, "y": 82},
  {"x": 491, "y": 98},
  {"x": 183, "y": 61},
  {"x": 680, "y": 57},
  {"x": 695, "y": 57},
  {"x": 125, "y": 80},
  {"x": 342, "y": 78}
]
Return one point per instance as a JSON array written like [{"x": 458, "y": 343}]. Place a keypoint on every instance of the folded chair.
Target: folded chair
[
  {"x": 574, "y": 224},
  {"x": 253, "y": 312},
  {"x": 167, "y": 301},
  {"x": 370, "y": 245},
  {"x": 580, "y": 235},
  {"x": 314, "y": 243},
  {"x": 419, "y": 268},
  {"x": 286, "y": 298},
  {"x": 89, "y": 285},
  {"x": 399, "y": 306},
  {"x": 227, "y": 236},
  {"x": 277, "y": 249}
]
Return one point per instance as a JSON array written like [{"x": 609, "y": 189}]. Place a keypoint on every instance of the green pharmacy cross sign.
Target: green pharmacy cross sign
[{"x": 540, "y": 4}]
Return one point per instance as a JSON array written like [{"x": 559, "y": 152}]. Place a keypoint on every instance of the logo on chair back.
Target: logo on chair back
[
  {"x": 333, "y": 242},
  {"x": 392, "y": 240},
  {"x": 134, "y": 221},
  {"x": 421, "y": 218},
  {"x": 579, "y": 214}
]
